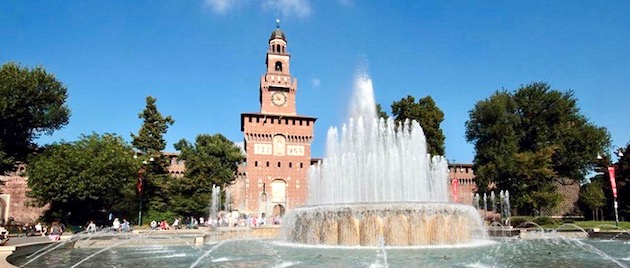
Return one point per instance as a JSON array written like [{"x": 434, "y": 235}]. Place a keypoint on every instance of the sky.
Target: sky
[{"x": 202, "y": 59}]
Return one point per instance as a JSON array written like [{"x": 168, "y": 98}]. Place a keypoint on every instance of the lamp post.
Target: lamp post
[
  {"x": 139, "y": 186},
  {"x": 613, "y": 184}
]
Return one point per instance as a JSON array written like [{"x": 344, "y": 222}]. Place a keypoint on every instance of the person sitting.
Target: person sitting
[
  {"x": 91, "y": 228},
  {"x": 38, "y": 228},
  {"x": 125, "y": 226},
  {"x": 4, "y": 236},
  {"x": 153, "y": 225},
  {"x": 116, "y": 225},
  {"x": 55, "y": 231}
]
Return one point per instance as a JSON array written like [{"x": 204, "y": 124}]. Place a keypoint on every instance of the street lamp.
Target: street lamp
[
  {"x": 611, "y": 174},
  {"x": 139, "y": 185}
]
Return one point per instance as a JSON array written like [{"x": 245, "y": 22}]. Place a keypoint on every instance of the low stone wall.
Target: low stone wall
[
  {"x": 227, "y": 233},
  {"x": 196, "y": 237},
  {"x": 7, "y": 253},
  {"x": 609, "y": 234}
]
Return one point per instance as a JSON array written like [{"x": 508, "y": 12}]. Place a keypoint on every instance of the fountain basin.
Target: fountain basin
[{"x": 399, "y": 223}]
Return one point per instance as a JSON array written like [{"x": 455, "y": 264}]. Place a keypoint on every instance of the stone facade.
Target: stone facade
[
  {"x": 13, "y": 200},
  {"x": 277, "y": 142},
  {"x": 462, "y": 182}
]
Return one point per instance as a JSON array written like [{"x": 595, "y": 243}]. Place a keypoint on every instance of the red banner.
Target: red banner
[
  {"x": 454, "y": 189},
  {"x": 139, "y": 183},
  {"x": 613, "y": 183}
]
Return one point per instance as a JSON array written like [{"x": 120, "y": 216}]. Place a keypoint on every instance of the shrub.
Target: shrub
[
  {"x": 544, "y": 221},
  {"x": 518, "y": 220}
]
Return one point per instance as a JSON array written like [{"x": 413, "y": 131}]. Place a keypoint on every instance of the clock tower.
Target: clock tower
[
  {"x": 277, "y": 140},
  {"x": 277, "y": 87}
]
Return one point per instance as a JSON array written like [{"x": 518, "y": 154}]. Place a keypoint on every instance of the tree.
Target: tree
[
  {"x": 380, "y": 113},
  {"x": 622, "y": 176},
  {"x": 150, "y": 142},
  {"x": 622, "y": 179},
  {"x": 428, "y": 115},
  {"x": 529, "y": 139},
  {"x": 82, "y": 180},
  {"x": 212, "y": 160},
  {"x": 592, "y": 197},
  {"x": 32, "y": 102}
]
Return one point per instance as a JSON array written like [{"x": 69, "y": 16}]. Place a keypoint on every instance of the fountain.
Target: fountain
[
  {"x": 391, "y": 212},
  {"x": 377, "y": 180}
]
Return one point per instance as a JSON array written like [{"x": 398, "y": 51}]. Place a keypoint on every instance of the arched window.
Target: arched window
[
  {"x": 278, "y": 66},
  {"x": 278, "y": 48}
]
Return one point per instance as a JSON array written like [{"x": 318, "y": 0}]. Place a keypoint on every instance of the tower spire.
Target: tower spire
[{"x": 277, "y": 23}]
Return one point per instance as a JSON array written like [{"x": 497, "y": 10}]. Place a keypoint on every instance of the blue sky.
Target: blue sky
[{"x": 202, "y": 59}]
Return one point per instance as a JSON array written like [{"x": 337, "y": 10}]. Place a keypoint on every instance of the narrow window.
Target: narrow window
[
  {"x": 267, "y": 163},
  {"x": 290, "y": 164},
  {"x": 279, "y": 165},
  {"x": 255, "y": 163},
  {"x": 301, "y": 165}
]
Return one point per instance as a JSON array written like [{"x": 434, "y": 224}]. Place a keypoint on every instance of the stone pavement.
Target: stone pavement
[{"x": 15, "y": 240}]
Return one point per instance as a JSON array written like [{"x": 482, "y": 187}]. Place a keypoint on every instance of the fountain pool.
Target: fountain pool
[{"x": 556, "y": 252}]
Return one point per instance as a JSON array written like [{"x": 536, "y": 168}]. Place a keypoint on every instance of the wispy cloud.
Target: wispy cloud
[
  {"x": 287, "y": 8},
  {"x": 219, "y": 6},
  {"x": 316, "y": 82}
]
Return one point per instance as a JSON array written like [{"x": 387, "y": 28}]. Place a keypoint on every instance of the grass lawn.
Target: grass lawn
[{"x": 602, "y": 225}]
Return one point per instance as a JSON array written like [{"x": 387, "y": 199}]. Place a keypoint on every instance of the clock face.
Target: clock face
[{"x": 278, "y": 99}]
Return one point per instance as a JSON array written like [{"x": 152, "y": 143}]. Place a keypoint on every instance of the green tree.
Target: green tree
[
  {"x": 592, "y": 197},
  {"x": 84, "y": 179},
  {"x": 622, "y": 176},
  {"x": 212, "y": 160},
  {"x": 380, "y": 113},
  {"x": 150, "y": 139},
  {"x": 622, "y": 180},
  {"x": 150, "y": 142},
  {"x": 32, "y": 102},
  {"x": 529, "y": 139},
  {"x": 428, "y": 115}
]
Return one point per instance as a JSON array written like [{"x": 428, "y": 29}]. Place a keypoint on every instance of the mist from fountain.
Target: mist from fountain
[
  {"x": 375, "y": 160},
  {"x": 215, "y": 202},
  {"x": 377, "y": 180}
]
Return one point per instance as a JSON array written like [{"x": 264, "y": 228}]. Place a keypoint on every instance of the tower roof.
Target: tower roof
[{"x": 277, "y": 33}]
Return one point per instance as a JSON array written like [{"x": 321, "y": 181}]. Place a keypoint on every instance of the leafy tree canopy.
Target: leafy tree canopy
[
  {"x": 530, "y": 138},
  {"x": 380, "y": 113},
  {"x": 84, "y": 179},
  {"x": 592, "y": 196},
  {"x": 212, "y": 160},
  {"x": 32, "y": 102},
  {"x": 622, "y": 179},
  {"x": 150, "y": 139},
  {"x": 428, "y": 115}
]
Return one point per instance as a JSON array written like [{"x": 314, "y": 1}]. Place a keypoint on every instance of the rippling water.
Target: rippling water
[{"x": 271, "y": 253}]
